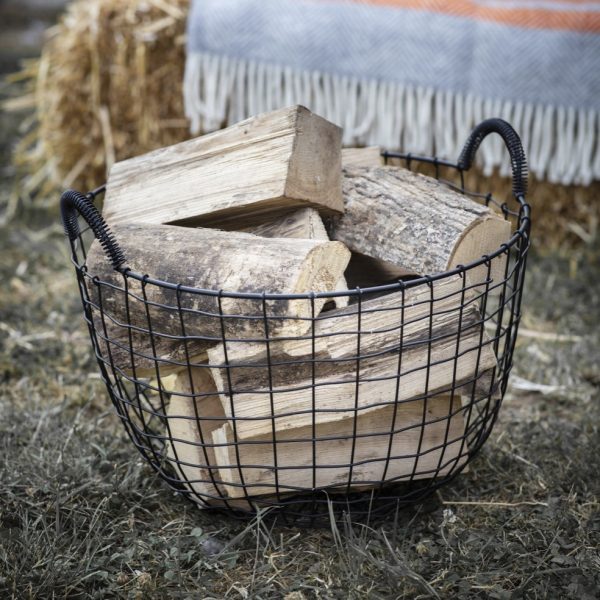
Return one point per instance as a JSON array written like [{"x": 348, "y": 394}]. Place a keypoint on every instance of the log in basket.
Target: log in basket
[{"x": 382, "y": 449}]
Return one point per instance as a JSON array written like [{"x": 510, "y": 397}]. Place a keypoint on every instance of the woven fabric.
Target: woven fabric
[{"x": 409, "y": 74}]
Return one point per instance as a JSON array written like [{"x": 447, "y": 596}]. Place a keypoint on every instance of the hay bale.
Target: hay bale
[{"x": 107, "y": 86}]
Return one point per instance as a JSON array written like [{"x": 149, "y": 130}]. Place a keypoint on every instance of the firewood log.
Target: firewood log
[
  {"x": 211, "y": 260},
  {"x": 359, "y": 362},
  {"x": 279, "y": 160},
  {"x": 194, "y": 413},
  {"x": 417, "y": 224},
  {"x": 353, "y": 451}
]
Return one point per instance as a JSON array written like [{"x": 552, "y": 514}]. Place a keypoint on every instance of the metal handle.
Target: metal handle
[
  {"x": 72, "y": 205},
  {"x": 513, "y": 143}
]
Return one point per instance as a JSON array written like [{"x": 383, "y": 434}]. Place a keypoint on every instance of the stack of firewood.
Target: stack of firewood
[{"x": 270, "y": 395}]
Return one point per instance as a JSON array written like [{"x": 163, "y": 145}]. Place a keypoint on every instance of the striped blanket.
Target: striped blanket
[{"x": 409, "y": 74}]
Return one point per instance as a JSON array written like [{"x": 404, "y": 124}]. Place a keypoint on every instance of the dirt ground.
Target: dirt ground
[{"x": 81, "y": 516}]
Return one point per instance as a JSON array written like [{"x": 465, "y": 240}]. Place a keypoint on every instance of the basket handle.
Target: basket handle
[
  {"x": 72, "y": 205},
  {"x": 513, "y": 143}
]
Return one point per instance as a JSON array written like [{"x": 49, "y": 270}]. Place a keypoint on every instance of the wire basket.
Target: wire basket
[{"x": 405, "y": 429}]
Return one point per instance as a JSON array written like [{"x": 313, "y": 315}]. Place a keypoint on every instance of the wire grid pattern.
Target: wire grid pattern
[{"x": 374, "y": 406}]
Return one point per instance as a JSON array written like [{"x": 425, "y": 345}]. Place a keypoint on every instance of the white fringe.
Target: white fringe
[{"x": 562, "y": 144}]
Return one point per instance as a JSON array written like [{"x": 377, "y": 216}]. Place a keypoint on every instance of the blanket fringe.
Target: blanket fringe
[{"x": 562, "y": 143}]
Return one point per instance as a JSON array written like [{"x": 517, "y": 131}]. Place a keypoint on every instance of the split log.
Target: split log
[
  {"x": 186, "y": 323},
  {"x": 194, "y": 413},
  {"x": 390, "y": 349},
  {"x": 362, "y": 157},
  {"x": 414, "y": 222},
  {"x": 278, "y": 160},
  {"x": 303, "y": 223},
  {"x": 352, "y": 453}
]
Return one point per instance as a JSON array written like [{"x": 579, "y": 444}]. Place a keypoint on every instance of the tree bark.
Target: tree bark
[{"x": 417, "y": 224}]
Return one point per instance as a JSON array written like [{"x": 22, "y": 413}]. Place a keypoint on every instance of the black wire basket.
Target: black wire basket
[{"x": 408, "y": 426}]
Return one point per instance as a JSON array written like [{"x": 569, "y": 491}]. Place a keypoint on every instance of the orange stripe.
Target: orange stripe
[{"x": 531, "y": 18}]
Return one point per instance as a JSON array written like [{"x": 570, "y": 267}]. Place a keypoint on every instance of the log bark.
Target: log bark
[
  {"x": 350, "y": 453},
  {"x": 414, "y": 222},
  {"x": 283, "y": 159},
  {"x": 212, "y": 260},
  {"x": 355, "y": 365}
]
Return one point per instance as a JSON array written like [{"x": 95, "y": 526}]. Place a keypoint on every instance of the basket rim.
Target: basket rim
[{"x": 521, "y": 232}]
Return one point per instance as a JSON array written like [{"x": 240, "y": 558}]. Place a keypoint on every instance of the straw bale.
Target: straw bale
[{"x": 107, "y": 86}]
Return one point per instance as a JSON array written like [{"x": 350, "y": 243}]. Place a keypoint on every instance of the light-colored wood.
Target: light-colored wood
[
  {"x": 212, "y": 260},
  {"x": 283, "y": 159},
  {"x": 301, "y": 223},
  {"x": 416, "y": 223},
  {"x": 194, "y": 413},
  {"x": 433, "y": 432},
  {"x": 362, "y": 157},
  {"x": 274, "y": 387},
  {"x": 385, "y": 321}
]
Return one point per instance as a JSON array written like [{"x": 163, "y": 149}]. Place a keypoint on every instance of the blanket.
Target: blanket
[{"x": 409, "y": 74}]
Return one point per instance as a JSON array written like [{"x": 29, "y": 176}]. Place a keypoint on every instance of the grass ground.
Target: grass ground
[{"x": 81, "y": 516}]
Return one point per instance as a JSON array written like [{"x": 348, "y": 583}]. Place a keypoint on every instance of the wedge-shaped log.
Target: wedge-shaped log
[
  {"x": 194, "y": 413},
  {"x": 422, "y": 438},
  {"x": 273, "y": 161},
  {"x": 416, "y": 223},
  {"x": 303, "y": 223},
  {"x": 390, "y": 349},
  {"x": 170, "y": 325}
]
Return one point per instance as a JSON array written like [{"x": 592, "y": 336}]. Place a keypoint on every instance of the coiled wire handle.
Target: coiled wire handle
[
  {"x": 513, "y": 143},
  {"x": 72, "y": 205}
]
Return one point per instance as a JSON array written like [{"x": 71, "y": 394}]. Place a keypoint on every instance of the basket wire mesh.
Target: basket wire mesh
[{"x": 422, "y": 394}]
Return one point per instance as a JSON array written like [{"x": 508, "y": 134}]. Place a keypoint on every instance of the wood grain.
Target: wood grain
[
  {"x": 303, "y": 223},
  {"x": 362, "y": 157},
  {"x": 194, "y": 413},
  {"x": 283, "y": 159},
  {"x": 351, "y": 452},
  {"x": 279, "y": 384}
]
